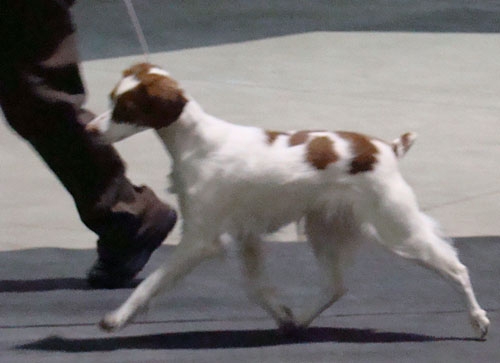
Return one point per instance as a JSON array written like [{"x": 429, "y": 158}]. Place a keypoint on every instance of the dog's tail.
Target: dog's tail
[{"x": 403, "y": 143}]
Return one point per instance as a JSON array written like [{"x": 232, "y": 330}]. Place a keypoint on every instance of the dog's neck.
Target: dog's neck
[{"x": 194, "y": 130}]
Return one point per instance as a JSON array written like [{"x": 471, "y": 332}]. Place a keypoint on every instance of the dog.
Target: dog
[{"x": 246, "y": 182}]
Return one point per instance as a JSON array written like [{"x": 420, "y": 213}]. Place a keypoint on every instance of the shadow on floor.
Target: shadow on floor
[
  {"x": 229, "y": 339},
  {"x": 40, "y": 285},
  {"x": 478, "y": 253}
]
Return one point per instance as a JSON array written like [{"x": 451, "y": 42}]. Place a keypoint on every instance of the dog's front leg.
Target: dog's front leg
[
  {"x": 190, "y": 252},
  {"x": 259, "y": 287}
]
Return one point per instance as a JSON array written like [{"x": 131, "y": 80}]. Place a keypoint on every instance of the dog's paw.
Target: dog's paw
[
  {"x": 110, "y": 323},
  {"x": 480, "y": 323},
  {"x": 287, "y": 324}
]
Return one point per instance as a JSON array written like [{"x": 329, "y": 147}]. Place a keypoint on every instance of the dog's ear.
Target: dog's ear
[
  {"x": 139, "y": 68},
  {"x": 156, "y": 102},
  {"x": 127, "y": 107},
  {"x": 165, "y": 99}
]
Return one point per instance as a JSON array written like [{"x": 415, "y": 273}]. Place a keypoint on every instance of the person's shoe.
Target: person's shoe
[{"x": 116, "y": 268}]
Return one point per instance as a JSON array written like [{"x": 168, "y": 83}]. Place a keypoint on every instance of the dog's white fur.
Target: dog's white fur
[{"x": 232, "y": 179}]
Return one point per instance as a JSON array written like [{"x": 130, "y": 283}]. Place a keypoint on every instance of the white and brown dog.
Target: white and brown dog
[{"x": 247, "y": 182}]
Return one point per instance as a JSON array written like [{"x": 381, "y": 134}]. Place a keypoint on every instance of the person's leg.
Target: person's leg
[{"x": 41, "y": 95}]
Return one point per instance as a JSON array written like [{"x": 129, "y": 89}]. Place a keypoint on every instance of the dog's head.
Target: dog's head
[{"x": 145, "y": 97}]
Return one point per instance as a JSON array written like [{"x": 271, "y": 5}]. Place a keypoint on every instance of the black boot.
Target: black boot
[{"x": 116, "y": 267}]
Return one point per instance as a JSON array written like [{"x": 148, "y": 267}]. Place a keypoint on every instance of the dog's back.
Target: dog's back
[{"x": 262, "y": 180}]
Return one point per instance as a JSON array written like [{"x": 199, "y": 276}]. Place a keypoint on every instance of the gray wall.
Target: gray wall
[{"x": 106, "y": 30}]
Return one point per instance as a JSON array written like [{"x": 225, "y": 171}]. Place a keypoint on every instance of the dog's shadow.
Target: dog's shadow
[{"x": 229, "y": 339}]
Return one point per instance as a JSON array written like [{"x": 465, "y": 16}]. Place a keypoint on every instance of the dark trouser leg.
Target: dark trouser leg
[{"x": 41, "y": 95}]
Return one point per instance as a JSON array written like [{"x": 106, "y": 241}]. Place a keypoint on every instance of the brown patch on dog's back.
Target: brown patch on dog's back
[
  {"x": 320, "y": 152},
  {"x": 298, "y": 138},
  {"x": 273, "y": 135},
  {"x": 364, "y": 151}
]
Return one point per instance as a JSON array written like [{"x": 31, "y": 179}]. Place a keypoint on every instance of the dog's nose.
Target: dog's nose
[
  {"x": 92, "y": 128},
  {"x": 99, "y": 123}
]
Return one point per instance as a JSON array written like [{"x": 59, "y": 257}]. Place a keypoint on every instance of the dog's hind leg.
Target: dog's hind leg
[
  {"x": 408, "y": 232},
  {"x": 190, "y": 252},
  {"x": 333, "y": 240}
]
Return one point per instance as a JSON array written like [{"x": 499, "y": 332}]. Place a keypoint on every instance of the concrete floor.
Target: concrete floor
[{"x": 443, "y": 86}]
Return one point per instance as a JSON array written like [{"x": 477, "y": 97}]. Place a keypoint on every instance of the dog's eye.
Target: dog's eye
[{"x": 112, "y": 95}]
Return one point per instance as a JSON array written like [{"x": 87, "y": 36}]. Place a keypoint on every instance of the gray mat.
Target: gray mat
[{"x": 394, "y": 311}]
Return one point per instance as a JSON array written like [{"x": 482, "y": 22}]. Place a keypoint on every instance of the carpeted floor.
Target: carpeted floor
[{"x": 394, "y": 311}]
